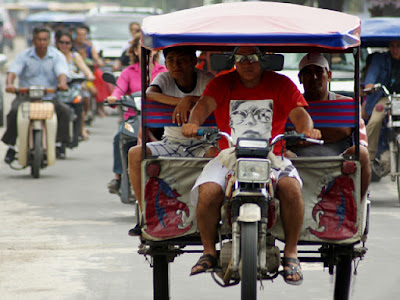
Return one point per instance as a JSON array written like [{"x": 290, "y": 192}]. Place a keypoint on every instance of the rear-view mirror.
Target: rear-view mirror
[
  {"x": 109, "y": 77},
  {"x": 272, "y": 62},
  {"x": 221, "y": 61}
]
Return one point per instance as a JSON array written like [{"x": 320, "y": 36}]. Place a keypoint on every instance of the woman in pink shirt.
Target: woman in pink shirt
[{"x": 129, "y": 81}]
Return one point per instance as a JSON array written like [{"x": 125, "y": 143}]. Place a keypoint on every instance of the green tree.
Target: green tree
[{"x": 387, "y": 8}]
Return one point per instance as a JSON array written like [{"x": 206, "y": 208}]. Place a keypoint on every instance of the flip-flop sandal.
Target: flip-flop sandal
[
  {"x": 207, "y": 262},
  {"x": 294, "y": 268}
]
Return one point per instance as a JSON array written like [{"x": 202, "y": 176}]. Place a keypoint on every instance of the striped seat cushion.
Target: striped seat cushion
[
  {"x": 333, "y": 113},
  {"x": 159, "y": 115}
]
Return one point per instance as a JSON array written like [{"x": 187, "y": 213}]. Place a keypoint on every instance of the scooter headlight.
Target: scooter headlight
[
  {"x": 129, "y": 127},
  {"x": 36, "y": 92},
  {"x": 253, "y": 170}
]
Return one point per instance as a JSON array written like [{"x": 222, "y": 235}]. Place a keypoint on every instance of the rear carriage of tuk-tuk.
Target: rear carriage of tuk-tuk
[
  {"x": 376, "y": 35},
  {"x": 335, "y": 222}
]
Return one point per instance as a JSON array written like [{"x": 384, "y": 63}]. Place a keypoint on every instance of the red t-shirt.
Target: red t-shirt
[{"x": 273, "y": 86}]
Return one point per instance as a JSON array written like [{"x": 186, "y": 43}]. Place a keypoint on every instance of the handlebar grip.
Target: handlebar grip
[
  {"x": 200, "y": 132},
  {"x": 314, "y": 141}
]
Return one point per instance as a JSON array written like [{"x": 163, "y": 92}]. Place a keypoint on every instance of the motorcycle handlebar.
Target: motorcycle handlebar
[
  {"x": 291, "y": 136},
  {"x": 123, "y": 102},
  {"x": 25, "y": 90},
  {"x": 377, "y": 86}
]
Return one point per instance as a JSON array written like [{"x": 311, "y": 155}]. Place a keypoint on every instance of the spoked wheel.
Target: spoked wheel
[
  {"x": 249, "y": 239},
  {"x": 160, "y": 277},
  {"x": 343, "y": 278},
  {"x": 398, "y": 171},
  {"x": 37, "y": 154}
]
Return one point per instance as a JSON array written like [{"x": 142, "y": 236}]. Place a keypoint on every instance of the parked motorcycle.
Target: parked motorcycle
[
  {"x": 128, "y": 137},
  {"x": 37, "y": 129},
  {"x": 391, "y": 139}
]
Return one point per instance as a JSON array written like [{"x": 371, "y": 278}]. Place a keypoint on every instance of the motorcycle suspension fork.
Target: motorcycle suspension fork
[{"x": 393, "y": 149}]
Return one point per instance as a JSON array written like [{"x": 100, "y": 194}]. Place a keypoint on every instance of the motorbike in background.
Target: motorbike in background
[
  {"x": 73, "y": 98},
  {"x": 128, "y": 137},
  {"x": 389, "y": 164},
  {"x": 37, "y": 129}
]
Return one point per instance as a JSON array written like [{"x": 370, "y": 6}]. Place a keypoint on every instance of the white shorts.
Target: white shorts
[{"x": 215, "y": 172}]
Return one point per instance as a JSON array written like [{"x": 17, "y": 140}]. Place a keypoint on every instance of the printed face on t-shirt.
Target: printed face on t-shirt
[{"x": 251, "y": 118}]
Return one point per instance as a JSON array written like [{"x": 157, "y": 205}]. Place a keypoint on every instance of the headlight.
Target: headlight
[
  {"x": 36, "y": 92},
  {"x": 396, "y": 108},
  {"x": 253, "y": 170},
  {"x": 129, "y": 127}
]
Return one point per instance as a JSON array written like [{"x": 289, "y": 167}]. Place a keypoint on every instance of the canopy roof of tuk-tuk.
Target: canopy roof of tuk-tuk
[
  {"x": 377, "y": 32},
  {"x": 269, "y": 24}
]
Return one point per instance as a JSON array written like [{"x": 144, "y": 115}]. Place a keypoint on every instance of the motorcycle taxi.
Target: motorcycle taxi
[
  {"x": 37, "y": 129},
  {"x": 250, "y": 224},
  {"x": 378, "y": 32}
]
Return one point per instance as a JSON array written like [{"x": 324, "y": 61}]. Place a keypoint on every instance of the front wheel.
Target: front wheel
[
  {"x": 160, "y": 277},
  {"x": 249, "y": 240},
  {"x": 37, "y": 154},
  {"x": 343, "y": 278}
]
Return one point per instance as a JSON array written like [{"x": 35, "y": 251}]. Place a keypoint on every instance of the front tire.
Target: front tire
[
  {"x": 249, "y": 240},
  {"x": 343, "y": 278},
  {"x": 160, "y": 277},
  {"x": 37, "y": 154}
]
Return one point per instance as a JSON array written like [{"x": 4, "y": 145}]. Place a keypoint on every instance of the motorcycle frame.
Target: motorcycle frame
[{"x": 26, "y": 126}]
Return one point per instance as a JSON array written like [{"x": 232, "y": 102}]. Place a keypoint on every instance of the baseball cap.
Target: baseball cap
[{"x": 313, "y": 59}]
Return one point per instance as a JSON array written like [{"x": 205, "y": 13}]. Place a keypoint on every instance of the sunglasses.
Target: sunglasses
[
  {"x": 262, "y": 115},
  {"x": 64, "y": 42},
  {"x": 252, "y": 58}
]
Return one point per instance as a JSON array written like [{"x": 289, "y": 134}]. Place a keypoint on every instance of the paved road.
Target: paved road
[{"x": 64, "y": 237}]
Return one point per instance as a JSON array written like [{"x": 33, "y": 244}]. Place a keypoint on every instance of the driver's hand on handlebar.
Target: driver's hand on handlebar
[
  {"x": 313, "y": 133},
  {"x": 111, "y": 99},
  {"x": 10, "y": 88},
  {"x": 190, "y": 130},
  {"x": 369, "y": 87}
]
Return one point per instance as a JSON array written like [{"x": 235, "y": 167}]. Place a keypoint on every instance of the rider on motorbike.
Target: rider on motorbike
[
  {"x": 129, "y": 81},
  {"x": 384, "y": 69},
  {"x": 77, "y": 68},
  {"x": 38, "y": 65},
  {"x": 250, "y": 82}
]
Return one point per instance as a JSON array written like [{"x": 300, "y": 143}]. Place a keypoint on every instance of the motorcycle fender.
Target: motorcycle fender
[
  {"x": 51, "y": 135},
  {"x": 23, "y": 122},
  {"x": 249, "y": 212}
]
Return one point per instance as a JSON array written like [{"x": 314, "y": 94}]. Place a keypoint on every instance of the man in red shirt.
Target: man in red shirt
[{"x": 265, "y": 89}]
